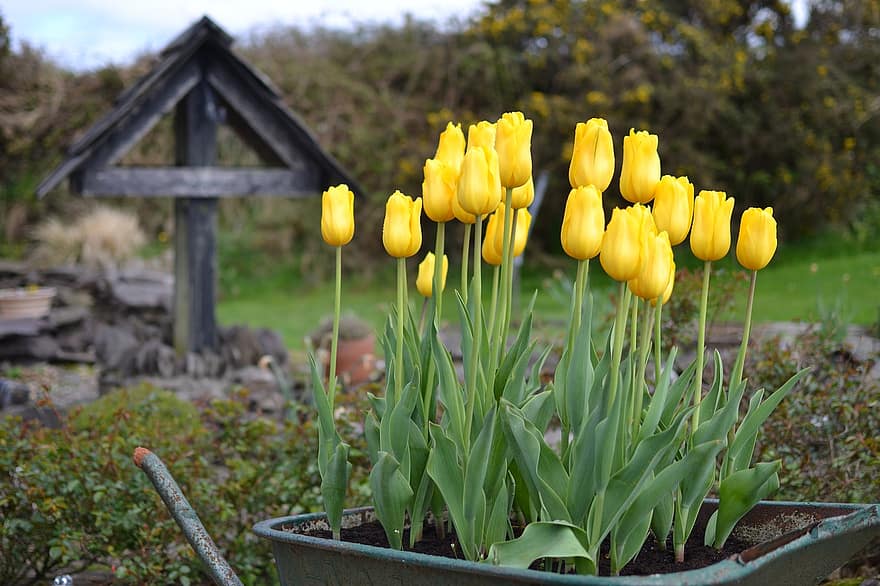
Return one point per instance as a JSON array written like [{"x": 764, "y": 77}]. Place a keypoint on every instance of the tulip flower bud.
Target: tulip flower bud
[
  {"x": 644, "y": 218},
  {"x": 438, "y": 190},
  {"x": 583, "y": 224},
  {"x": 620, "y": 254},
  {"x": 461, "y": 215},
  {"x": 425, "y": 279},
  {"x": 492, "y": 253},
  {"x": 640, "y": 173},
  {"x": 669, "y": 286},
  {"x": 523, "y": 196},
  {"x": 402, "y": 229},
  {"x": 481, "y": 134},
  {"x": 674, "y": 207},
  {"x": 521, "y": 230},
  {"x": 513, "y": 143},
  {"x": 450, "y": 148},
  {"x": 479, "y": 186},
  {"x": 656, "y": 253},
  {"x": 337, "y": 215},
  {"x": 756, "y": 244},
  {"x": 592, "y": 159},
  {"x": 710, "y": 234}
]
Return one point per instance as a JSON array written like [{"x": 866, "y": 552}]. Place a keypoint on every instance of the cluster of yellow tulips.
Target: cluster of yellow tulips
[
  {"x": 636, "y": 247},
  {"x": 486, "y": 182}
]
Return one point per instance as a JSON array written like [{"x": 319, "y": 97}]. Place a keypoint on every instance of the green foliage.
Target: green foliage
[
  {"x": 826, "y": 435},
  {"x": 774, "y": 111},
  {"x": 71, "y": 498}
]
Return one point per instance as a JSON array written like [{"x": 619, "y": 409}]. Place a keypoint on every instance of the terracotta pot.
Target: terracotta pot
[
  {"x": 25, "y": 303},
  {"x": 355, "y": 360}
]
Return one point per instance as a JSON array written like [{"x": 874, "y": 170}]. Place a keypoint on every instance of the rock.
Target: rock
[
  {"x": 139, "y": 295},
  {"x": 115, "y": 348},
  {"x": 22, "y": 326},
  {"x": 13, "y": 393},
  {"x": 66, "y": 316},
  {"x": 42, "y": 347}
]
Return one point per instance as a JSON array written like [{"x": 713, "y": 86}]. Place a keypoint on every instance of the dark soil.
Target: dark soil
[{"x": 651, "y": 560}]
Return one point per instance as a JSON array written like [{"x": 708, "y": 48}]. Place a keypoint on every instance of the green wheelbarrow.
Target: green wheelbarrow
[{"x": 827, "y": 536}]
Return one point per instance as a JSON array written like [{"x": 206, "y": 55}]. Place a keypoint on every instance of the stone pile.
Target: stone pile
[{"x": 121, "y": 322}]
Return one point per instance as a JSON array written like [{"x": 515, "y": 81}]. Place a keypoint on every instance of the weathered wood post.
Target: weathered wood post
[{"x": 195, "y": 226}]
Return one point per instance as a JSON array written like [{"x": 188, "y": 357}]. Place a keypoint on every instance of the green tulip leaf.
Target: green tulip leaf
[
  {"x": 555, "y": 539},
  {"x": 737, "y": 494},
  {"x": 658, "y": 399},
  {"x": 744, "y": 440},
  {"x": 334, "y": 483},
  {"x": 541, "y": 468},
  {"x": 391, "y": 497},
  {"x": 446, "y": 470},
  {"x": 632, "y": 528}
]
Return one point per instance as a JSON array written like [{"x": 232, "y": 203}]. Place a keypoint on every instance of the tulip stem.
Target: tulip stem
[
  {"x": 736, "y": 375},
  {"x": 334, "y": 342},
  {"x": 506, "y": 259},
  {"x": 494, "y": 305},
  {"x": 658, "y": 351},
  {"x": 644, "y": 351},
  {"x": 401, "y": 320},
  {"x": 477, "y": 327},
  {"x": 437, "y": 289},
  {"x": 701, "y": 346},
  {"x": 580, "y": 285},
  {"x": 464, "y": 263},
  {"x": 617, "y": 348},
  {"x": 508, "y": 310}
]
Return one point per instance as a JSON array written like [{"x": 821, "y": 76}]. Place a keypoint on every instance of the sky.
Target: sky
[{"x": 87, "y": 34}]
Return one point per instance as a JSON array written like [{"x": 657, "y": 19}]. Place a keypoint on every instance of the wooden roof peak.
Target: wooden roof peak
[{"x": 201, "y": 56}]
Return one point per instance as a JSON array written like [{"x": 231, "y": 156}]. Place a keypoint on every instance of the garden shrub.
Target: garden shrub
[
  {"x": 825, "y": 432},
  {"x": 71, "y": 498}
]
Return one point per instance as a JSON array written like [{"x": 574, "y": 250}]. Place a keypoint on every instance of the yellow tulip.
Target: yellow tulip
[
  {"x": 402, "y": 229},
  {"x": 710, "y": 234},
  {"x": 494, "y": 240},
  {"x": 492, "y": 253},
  {"x": 644, "y": 218},
  {"x": 337, "y": 215},
  {"x": 461, "y": 215},
  {"x": 439, "y": 190},
  {"x": 674, "y": 207},
  {"x": 592, "y": 159},
  {"x": 583, "y": 224},
  {"x": 481, "y": 134},
  {"x": 523, "y": 196},
  {"x": 450, "y": 147},
  {"x": 620, "y": 254},
  {"x": 641, "y": 167},
  {"x": 669, "y": 286},
  {"x": 653, "y": 278},
  {"x": 425, "y": 279},
  {"x": 479, "y": 186},
  {"x": 756, "y": 244},
  {"x": 513, "y": 143}
]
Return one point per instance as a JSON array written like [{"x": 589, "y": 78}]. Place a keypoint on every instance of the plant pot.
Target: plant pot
[
  {"x": 827, "y": 535},
  {"x": 355, "y": 360},
  {"x": 25, "y": 303}
]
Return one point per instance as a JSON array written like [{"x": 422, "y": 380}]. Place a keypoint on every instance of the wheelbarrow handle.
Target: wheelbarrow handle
[{"x": 186, "y": 517}]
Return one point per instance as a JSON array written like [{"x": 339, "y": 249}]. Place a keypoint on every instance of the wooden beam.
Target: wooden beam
[
  {"x": 271, "y": 128},
  {"x": 141, "y": 118},
  {"x": 199, "y": 182},
  {"x": 195, "y": 227}
]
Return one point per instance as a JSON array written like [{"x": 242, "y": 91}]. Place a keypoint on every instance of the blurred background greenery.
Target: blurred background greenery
[{"x": 744, "y": 99}]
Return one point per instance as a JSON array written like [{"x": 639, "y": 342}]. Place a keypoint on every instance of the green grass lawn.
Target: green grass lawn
[{"x": 821, "y": 280}]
